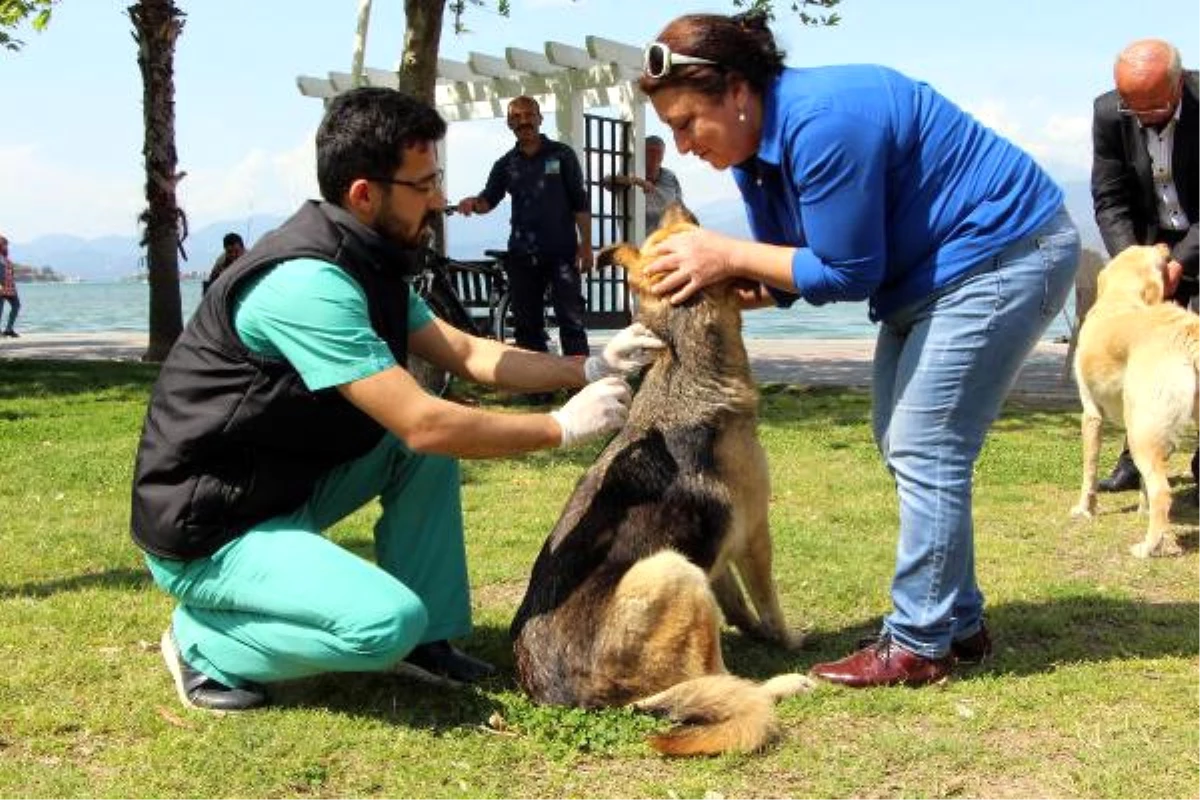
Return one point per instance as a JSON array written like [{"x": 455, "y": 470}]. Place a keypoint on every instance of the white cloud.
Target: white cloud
[
  {"x": 43, "y": 196},
  {"x": 258, "y": 183},
  {"x": 471, "y": 149},
  {"x": 90, "y": 202},
  {"x": 1062, "y": 143}
]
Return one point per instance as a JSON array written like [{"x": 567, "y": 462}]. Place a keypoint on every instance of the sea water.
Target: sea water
[{"x": 124, "y": 306}]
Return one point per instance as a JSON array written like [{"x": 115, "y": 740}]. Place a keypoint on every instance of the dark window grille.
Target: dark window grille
[{"x": 607, "y": 151}]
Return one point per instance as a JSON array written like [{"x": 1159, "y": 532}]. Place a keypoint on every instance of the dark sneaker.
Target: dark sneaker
[
  {"x": 197, "y": 690},
  {"x": 974, "y": 649},
  {"x": 12, "y": 334},
  {"x": 442, "y": 663},
  {"x": 1124, "y": 478}
]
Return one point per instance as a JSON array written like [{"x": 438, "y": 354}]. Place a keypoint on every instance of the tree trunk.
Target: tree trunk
[
  {"x": 418, "y": 76},
  {"x": 157, "y": 25},
  {"x": 422, "y": 38}
]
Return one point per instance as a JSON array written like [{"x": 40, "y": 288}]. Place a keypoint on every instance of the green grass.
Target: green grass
[{"x": 1092, "y": 691}]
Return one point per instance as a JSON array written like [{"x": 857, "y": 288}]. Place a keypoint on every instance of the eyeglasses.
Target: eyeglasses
[
  {"x": 1143, "y": 112},
  {"x": 1158, "y": 110},
  {"x": 658, "y": 60},
  {"x": 427, "y": 185}
]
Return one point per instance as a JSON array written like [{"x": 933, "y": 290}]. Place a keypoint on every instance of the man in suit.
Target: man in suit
[{"x": 1144, "y": 170}]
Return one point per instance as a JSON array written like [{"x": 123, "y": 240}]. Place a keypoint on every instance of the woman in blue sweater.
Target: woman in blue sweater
[{"x": 863, "y": 184}]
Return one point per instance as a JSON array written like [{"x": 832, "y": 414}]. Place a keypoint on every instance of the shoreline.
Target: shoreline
[{"x": 1043, "y": 378}]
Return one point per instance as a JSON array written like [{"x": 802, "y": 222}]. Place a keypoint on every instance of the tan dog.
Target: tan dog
[
  {"x": 1137, "y": 362},
  {"x": 619, "y": 607}
]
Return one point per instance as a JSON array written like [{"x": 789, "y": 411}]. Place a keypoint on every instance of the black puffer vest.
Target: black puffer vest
[{"x": 232, "y": 439}]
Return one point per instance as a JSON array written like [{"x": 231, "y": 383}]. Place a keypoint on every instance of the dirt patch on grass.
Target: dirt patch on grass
[{"x": 504, "y": 594}]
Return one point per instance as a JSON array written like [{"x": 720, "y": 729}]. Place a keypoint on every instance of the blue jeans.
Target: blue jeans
[
  {"x": 943, "y": 367},
  {"x": 14, "y": 306},
  {"x": 282, "y": 601}
]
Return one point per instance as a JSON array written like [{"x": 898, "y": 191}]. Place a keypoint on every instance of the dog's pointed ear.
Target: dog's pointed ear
[
  {"x": 676, "y": 213},
  {"x": 623, "y": 255}
]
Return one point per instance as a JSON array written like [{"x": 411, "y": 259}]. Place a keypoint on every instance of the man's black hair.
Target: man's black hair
[{"x": 364, "y": 134}]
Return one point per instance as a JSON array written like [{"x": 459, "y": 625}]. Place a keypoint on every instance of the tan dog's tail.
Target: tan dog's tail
[{"x": 720, "y": 713}]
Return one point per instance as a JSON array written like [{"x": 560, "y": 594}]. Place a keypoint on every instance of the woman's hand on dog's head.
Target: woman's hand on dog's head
[{"x": 688, "y": 261}]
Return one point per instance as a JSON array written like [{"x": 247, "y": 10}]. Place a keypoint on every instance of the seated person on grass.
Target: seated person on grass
[{"x": 285, "y": 406}]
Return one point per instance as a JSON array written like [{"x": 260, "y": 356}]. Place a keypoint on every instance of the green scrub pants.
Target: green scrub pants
[{"x": 283, "y": 602}]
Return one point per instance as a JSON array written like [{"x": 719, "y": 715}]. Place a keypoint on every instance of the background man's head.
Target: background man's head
[
  {"x": 234, "y": 246},
  {"x": 377, "y": 158},
  {"x": 3, "y": 246},
  {"x": 656, "y": 148},
  {"x": 524, "y": 118},
  {"x": 1149, "y": 79}
]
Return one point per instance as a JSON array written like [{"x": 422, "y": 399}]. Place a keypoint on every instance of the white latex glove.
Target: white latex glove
[
  {"x": 597, "y": 408},
  {"x": 631, "y": 349}
]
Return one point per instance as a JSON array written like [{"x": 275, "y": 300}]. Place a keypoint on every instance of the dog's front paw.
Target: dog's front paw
[
  {"x": 1084, "y": 510},
  {"x": 1165, "y": 547},
  {"x": 794, "y": 638}
]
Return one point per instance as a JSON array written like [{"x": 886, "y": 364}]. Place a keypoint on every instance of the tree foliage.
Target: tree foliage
[
  {"x": 423, "y": 34},
  {"x": 821, "y": 15},
  {"x": 13, "y": 13}
]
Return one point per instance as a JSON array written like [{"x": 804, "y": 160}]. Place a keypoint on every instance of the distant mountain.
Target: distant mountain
[
  {"x": 115, "y": 257},
  {"x": 109, "y": 258},
  {"x": 105, "y": 258}
]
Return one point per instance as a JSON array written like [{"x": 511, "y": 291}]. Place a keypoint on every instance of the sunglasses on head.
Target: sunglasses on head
[{"x": 658, "y": 60}]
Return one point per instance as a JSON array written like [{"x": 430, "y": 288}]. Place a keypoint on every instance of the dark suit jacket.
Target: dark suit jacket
[{"x": 1123, "y": 189}]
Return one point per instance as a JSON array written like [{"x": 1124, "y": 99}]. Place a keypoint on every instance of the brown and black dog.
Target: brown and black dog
[{"x": 624, "y": 603}]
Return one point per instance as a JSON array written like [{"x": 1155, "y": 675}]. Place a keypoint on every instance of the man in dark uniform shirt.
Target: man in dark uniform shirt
[{"x": 550, "y": 243}]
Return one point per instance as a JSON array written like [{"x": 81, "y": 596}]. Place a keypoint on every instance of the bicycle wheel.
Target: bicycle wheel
[
  {"x": 502, "y": 322},
  {"x": 436, "y": 380}
]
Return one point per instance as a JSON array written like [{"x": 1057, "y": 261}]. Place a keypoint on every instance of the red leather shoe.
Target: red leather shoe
[{"x": 884, "y": 663}]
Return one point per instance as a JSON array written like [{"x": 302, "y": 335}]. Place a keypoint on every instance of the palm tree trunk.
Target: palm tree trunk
[{"x": 157, "y": 25}]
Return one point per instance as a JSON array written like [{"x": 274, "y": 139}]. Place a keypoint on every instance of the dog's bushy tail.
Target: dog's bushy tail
[{"x": 720, "y": 713}]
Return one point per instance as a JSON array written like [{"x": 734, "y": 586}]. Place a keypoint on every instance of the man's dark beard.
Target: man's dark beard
[{"x": 389, "y": 229}]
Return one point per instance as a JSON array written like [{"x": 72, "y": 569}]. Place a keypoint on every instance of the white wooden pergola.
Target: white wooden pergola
[{"x": 567, "y": 81}]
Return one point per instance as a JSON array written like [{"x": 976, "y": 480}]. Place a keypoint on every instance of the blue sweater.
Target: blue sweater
[{"x": 888, "y": 190}]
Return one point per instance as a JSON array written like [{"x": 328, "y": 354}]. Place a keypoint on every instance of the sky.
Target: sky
[{"x": 71, "y": 109}]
